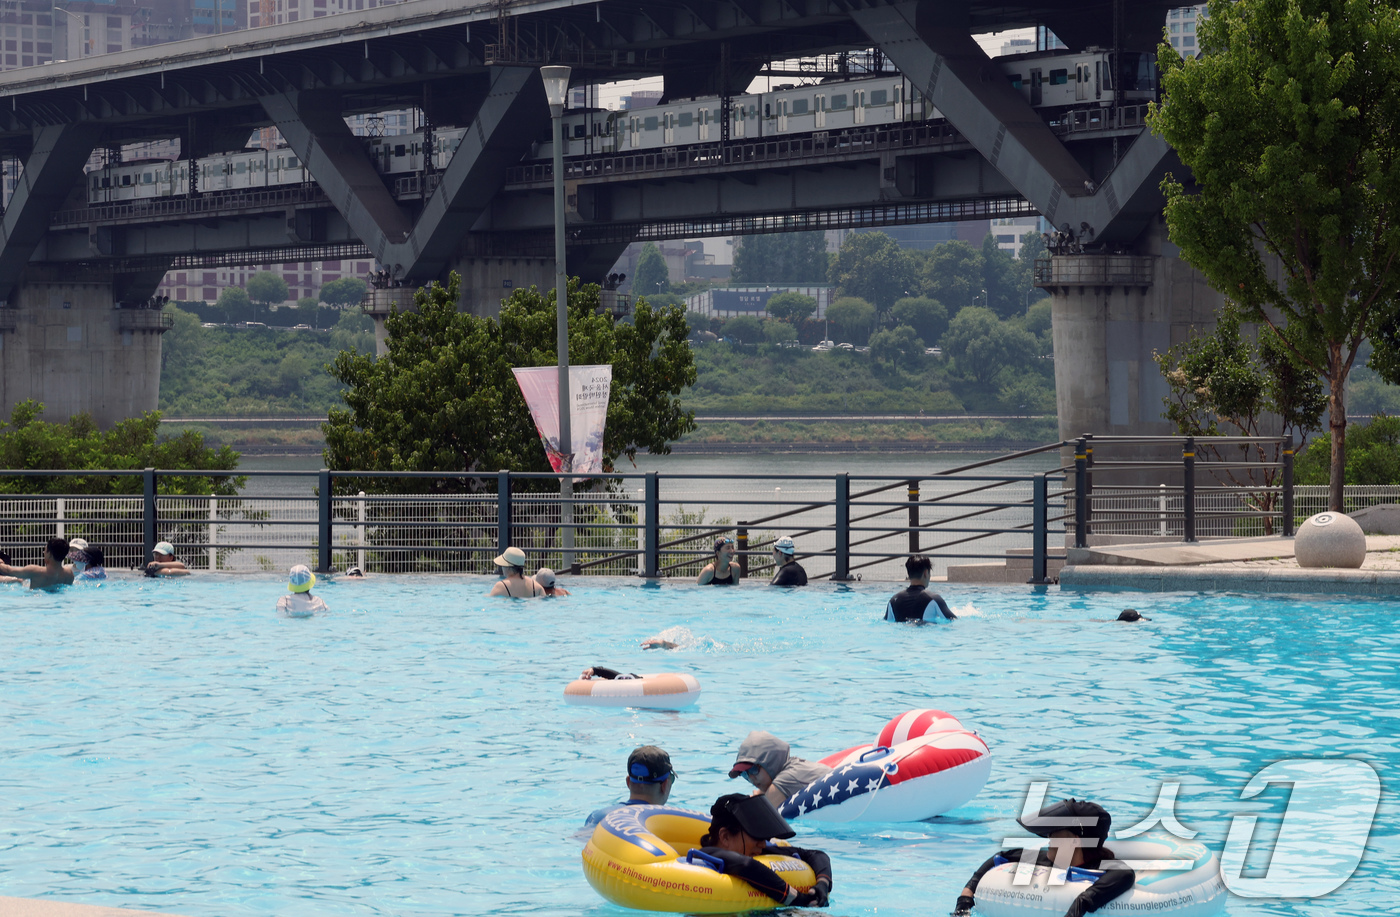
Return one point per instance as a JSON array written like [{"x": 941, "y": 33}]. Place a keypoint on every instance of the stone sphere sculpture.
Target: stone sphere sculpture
[{"x": 1330, "y": 540}]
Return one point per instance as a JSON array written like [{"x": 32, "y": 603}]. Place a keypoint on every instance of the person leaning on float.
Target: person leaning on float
[
  {"x": 766, "y": 761},
  {"x": 1077, "y": 830},
  {"x": 741, "y": 828}
]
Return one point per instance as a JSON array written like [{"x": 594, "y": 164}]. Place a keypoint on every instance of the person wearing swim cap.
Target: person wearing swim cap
[
  {"x": 163, "y": 562},
  {"x": 910, "y": 604},
  {"x": 301, "y": 603},
  {"x": 790, "y": 572},
  {"x": 741, "y": 828},
  {"x": 722, "y": 570},
  {"x": 766, "y": 762},
  {"x": 514, "y": 584},
  {"x": 650, "y": 777},
  {"x": 1132, "y": 616},
  {"x": 1077, "y": 830},
  {"x": 548, "y": 582}
]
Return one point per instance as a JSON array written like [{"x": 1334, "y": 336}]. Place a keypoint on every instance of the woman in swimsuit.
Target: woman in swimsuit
[
  {"x": 722, "y": 571},
  {"x": 514, "y": 583}
]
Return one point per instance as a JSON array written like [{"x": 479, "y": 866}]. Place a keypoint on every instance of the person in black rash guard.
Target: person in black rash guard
[
  {"x": 910, "y": 604},
  {"x": 1077, "y": 830},
  {"x": 740, "y": 827},
  {"x": 599, "y": 671},
  {"x": 790, "y": 572}
]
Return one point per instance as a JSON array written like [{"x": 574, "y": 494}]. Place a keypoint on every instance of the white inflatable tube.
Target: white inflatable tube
[
  {"x": 658, "y": 691},
  {"x": 1174, "y": 877}
]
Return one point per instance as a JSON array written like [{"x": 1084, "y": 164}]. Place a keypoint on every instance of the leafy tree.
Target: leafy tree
[
  {"x": 666, "y": 301},
  {"x": 183, "y": 345},
  {"x": 853, "y": 316},
  {"x": 27, "y": 441},
  {"x": 652, "y": 275},
  {"x": 1032, "y": 247},
  {"x": 236, "y": 304},
  {"x": 1038, "y": 317},
  {"x": 982, "y": 345},
  {"x": 308, "y": 310},
  {"x": 443, "y": 397},
  {"x": 1287, "y": 123},
  {"x": 778, "y": 332},
  {"x": 789, "y": 257},
  {"x": 1373, "y": 455},
  {"x": 353, "y": 331},
  {"x": 746, "y": 329},
  {"x": 790, "y": 307},
  {"x": 926, "y": 316},
  {"x": 1027, "y": 395},
  {"x": 697, "y": 322},
  {"x": 267, "y": 288},
  {"x": 873, "y": 267},
  {"x": 1001, "y": 279},
  {"x": 347, "y": 291},
  {"x": 897, "y": 345}
]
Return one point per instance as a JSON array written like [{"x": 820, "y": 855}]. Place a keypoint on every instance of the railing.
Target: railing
[
  {"x": 1094, "y": 270},
  {"x": 381, "y": 301},
  {"x": 145, "y": 320}
]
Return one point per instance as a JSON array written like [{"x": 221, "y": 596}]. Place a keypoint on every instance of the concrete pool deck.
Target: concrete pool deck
[
  {"x": 1230, "y": 565},
  {"x": 30, "y": 907}
]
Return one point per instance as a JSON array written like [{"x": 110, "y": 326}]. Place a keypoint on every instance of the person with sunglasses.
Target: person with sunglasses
[
  {"x": 766, "y": 762},
  {"x": 723, "y": 570},
  {"x": 741, "y": 828},
  {"x": 650, "y": 777}
]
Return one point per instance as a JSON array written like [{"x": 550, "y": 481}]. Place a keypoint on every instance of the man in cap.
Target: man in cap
[
  {"x": 301, "y": 603},
  {"x": 48, "y": 574},
  {"x": 649, "y": 781},
  {"x": 741, "y": 828},
  {"x": 163, "y": 562},
  {"x": 514, "y": 584},
  {"x": 545, "y": 577},
  {"x": 1077, "y": 830},
  {"x": 765, "y": 761},
  {"x": 790, "y": 572}
]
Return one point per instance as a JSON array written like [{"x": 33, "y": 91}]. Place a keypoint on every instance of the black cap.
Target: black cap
[
  {"x": 1132, "y": 614},
  {"x": 1078, "y": 816},
  {"x": 649, "y": 764},
  {"x": 754, "y": 815}
]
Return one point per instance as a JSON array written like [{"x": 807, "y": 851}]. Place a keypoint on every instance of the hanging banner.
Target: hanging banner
[{"x": 589, "y": 388}]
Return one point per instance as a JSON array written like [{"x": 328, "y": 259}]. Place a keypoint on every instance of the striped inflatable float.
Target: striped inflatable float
[
  {"x": 659, "y": 691},
  {"x": 924, "y": 763}
]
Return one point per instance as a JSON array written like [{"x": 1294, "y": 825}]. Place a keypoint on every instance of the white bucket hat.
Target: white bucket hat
[{"x": 511, "y": 557}]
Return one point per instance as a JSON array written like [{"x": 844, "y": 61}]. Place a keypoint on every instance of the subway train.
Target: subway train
[{"x": 1049, "y": 81}]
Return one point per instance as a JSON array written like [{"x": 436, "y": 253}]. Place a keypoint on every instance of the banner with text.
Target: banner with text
[{"x": 589, "y": 388}]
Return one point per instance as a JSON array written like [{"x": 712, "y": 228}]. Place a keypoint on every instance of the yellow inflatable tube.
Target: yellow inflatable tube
[{"x": 637, "y": 858}]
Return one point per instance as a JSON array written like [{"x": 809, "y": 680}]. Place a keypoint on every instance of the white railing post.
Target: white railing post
[
  {"x": 213, "y": 533},
  {"x": 59, "y": 506},
  {"x": 360, "y": 532},
  {"x": 1162, "y": 510}
]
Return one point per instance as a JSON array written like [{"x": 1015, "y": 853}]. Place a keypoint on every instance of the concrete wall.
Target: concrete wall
[
  {"x": 488, "y": 281},
  {"x": 69, "y": 352}
]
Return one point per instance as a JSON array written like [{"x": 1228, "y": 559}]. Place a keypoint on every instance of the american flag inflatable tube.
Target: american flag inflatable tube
[{"x": 924, "y": 763}]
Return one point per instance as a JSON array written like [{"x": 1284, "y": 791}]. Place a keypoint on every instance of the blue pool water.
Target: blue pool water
[{"x": 175, "y": 746}]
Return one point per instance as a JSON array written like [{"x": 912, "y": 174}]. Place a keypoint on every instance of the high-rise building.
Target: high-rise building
[{"x": 1181, "y": 28}]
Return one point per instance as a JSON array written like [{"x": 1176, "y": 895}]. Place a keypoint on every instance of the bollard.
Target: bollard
[
  {"x": 914, "y": 516},
  {"x": 1081, "y": 500},
  {"x": 323, "y": 518},
  {"x": 652, "y": 534},
  {"x": 1188, "y": 490},
  {"x": 1288, "y": 486}
]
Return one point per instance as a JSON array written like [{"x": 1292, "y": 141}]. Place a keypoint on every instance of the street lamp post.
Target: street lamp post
[{"x": 556, "y": 90}]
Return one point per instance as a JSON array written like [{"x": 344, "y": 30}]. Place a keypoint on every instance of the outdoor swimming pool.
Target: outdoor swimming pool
[{"x": 175, "y": 746}]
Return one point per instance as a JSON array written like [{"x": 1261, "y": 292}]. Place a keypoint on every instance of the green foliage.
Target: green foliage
[
  {"x": 1027, "y": 395},
  {"x": 347, "y": 291},
  {"x": 666, "y": 301},
  {"x": 854, "y": 317},
  {"x": 443, "y": 398},
  {"x": 873, "y": 267},
  {"x": 1287, "y": 123},
  {"x": 790, "y": 307},
  {"x": 652, "y": 276},
  {"x": 897, "y": 346},
  {"x": 926, "y": 316},
  {"x": 235, "y": 302},
  {"x": 353, "y": 331},
  {"x": 952, "y": 274},
  {"x": 746, "y": 329},
  {"x": 267, "y": 288},
  {"x": 1373, "y": 455},
  {"x": 778, "y": 332},
  {"x": 307, "y": 309},
  {"x": 27, "y": 441},
  {"x": 697, "y": 322},
  {"x": 982, "y": 345},
  {"x": 790, "y": 257},
  {"x": 1001, "y": 278},
  {"x": 1038, "y": 317}
]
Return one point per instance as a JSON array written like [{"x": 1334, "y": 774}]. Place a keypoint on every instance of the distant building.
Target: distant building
[
  {"x": 686, "y": 262},
  {"x": 1181, "y": 28},
  {"x": 1009, "y": 230},
  {"x": 751, "y": 299},
  {"x": 642, "y": 98}
]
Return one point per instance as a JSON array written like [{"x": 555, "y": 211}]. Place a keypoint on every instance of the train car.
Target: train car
[{"x": 1050, "y": 80}]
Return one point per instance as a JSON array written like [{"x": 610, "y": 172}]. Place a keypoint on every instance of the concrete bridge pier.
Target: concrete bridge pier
[{"x": 68, "y": 345}]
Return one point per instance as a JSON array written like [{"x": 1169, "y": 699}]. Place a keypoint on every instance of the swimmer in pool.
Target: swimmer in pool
[
  {"x": 741, "y": 828},
  {"x": 911, "y": 604},
  {"x": 514, "y": 584},
  {"x": 5, "y": 559},
  {"x": 1079, "y": 843},
  {"x": 722, "y": 570},
  {"x": 163, "y": 562},
  {"x": 599, "y": 671},
  {"x": 649, "y": 781},
  {"x": 95, "y": 569},
  {"x": 545, "y": 577},
  {"x": 47, "y": 575},
  {"x": 1132, "y": 616},
  {"x": 301, "y": 603},
  {"x": 766, "y": 762},
  {"x": 790, "y": 572}
]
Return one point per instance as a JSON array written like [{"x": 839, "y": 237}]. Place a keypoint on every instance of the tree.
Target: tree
[
  {"x": 347, "y": 291},
  {"x": 443, "y": 397},
  {"x": 652, "y": 275},
  {"x": 983, "y": 346},
  {"x": 1287, "y": 125},
  {"x": 1001, "y": 280},
  {"x": 926, "y": 316},
  {"x": 27, "y": 441},
  {"x": 792, "y": 308},
  {"x": 308, "y": 309},
  {"x": 854, "y": 317},
  {"x": 873, "y": 267},
  {"x": 184, "y": 344},
  {"x": 746, "y": 329},
  {"x": 267, "y": 288},
  {"x": 896, "y": 346},
  {"x": 697, "y": 322},
  {"x": 952, "y": 274},
  {"x": 353, "y": 331},
  {"x": 1373, "y": 455},
  {"x": 1032, "y": 248},
  {"x": 1038, "y": 318},
  {"x": 235, "y": 303},
  {"x": 775, "y": 332},
  {"x": 789, "y": 257}
]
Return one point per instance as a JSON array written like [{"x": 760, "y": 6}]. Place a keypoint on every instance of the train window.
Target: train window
[
  {"x": 398, "y": 149},
  {"x": 145, "y": 178},
  {"x": 880, "y": 97},
  {"x": 106, "y": 182},
  {"x": 1016, "y": 81},
  {"x": 126, "y": 181},
  {"x": 686, "y": 119},
  {"x": 767, "y": 110},
  {"x": 898, "y": 93},
  {"x": 799, "y": 106},
  {"x": 240, "y": 168},
  {"x": 649, "y": 124},
  {"x": 838, "y": 102},
  {"x": 1059, "y": 77},
  {"x": 292, "y": 163},
  {"x": 580, "y": 130}
]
